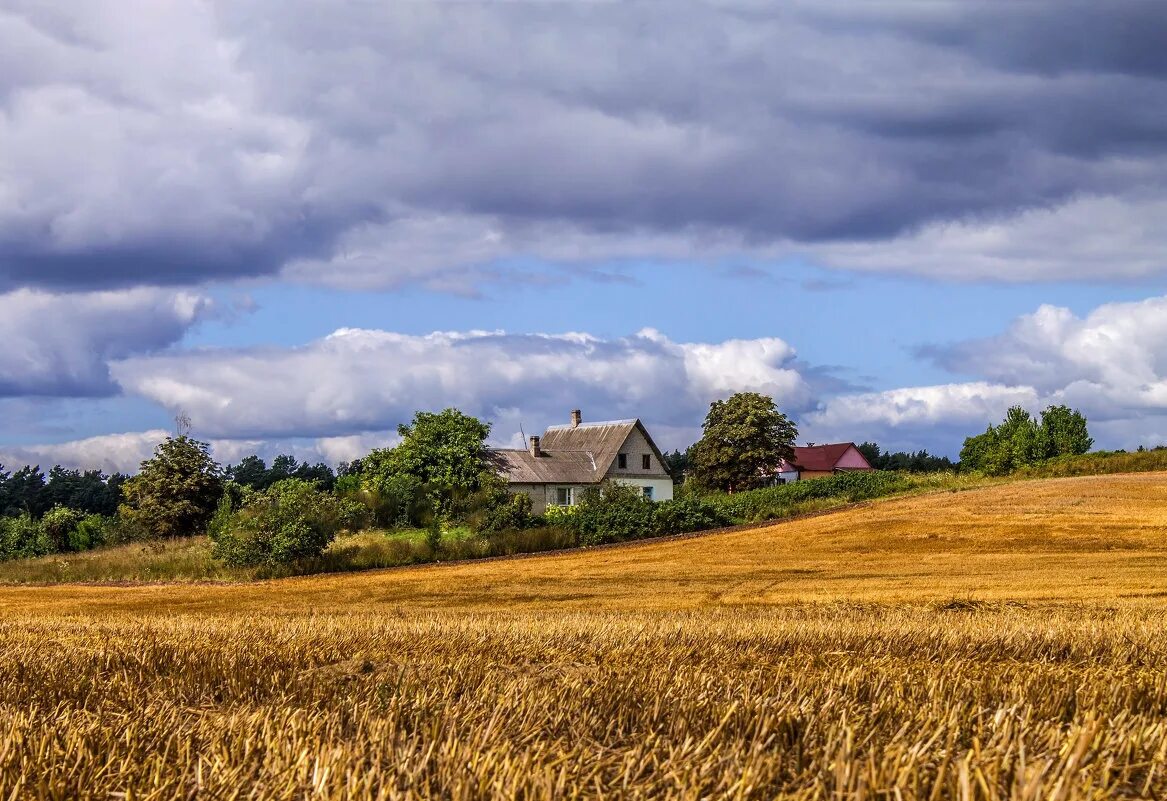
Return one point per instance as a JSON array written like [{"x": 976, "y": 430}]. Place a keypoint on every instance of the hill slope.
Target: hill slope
[
  {"x": 678, "y": 669},
  {"x": 1058, "y": 539}
]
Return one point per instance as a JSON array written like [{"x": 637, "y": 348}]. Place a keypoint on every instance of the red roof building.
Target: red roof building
[{"x": 816, "y": 461}]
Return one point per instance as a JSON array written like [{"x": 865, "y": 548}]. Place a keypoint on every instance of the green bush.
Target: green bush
[
  {"x": 560, "y": 515},
  {"x": 511, "y": 514},
  {"x": 683, "y": 515},
  {"x": 57, "y": 527},
  {"x": 783, "y": 500},
  {"x": 393, "y": 501},
  {"x": 22, "y": 537},
  {"x": 613, "y": 513},
  {"x": 65, "y": 530},
  {"x": 92, "y": 531},
  {"x": 291, "y": 520},
  {"x": 1097, "y": 463}
]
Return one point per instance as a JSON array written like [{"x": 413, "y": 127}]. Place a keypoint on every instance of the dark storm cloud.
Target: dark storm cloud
[
  {"x": 1046, "y": 37},
  {"x": 61, "y": 345},
  {"x": 380, "y": 144}
]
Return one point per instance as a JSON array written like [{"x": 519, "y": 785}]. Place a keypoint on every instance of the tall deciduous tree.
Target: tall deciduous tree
[
  {"x": 1021, "y": 440},
  {"x": 745, "y": 439},
  {"x": 176, "y": 491},
  {"x": 443, "y": 451},
  {"x": 1064, "y": 431}
]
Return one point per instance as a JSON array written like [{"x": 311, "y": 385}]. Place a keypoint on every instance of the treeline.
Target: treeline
[
  {"x": 1021, "y": 440},
  {"x": 441, "y": 474},
  {"x": 29, "y": 491},
  {"x": 175, "y": 494},
  {"x": 253, "y": 472},
  {"x": 911, "y": 462}
]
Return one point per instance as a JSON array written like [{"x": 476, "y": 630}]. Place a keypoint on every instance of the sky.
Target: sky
[{"x": 298, "y": 223}]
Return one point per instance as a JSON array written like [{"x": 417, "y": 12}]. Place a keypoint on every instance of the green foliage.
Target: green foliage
[
  {"x": 613, "y": 513},
  {"x": 89, "y": 492},
  {"x": 683, "y": 515},
  {"x": 58, "y": 526},
  {"x": 445, "y": 453},
  {"x": 1097, "y": 464},
  {"x": 290, "y": 520},
  {"x": 1064, "y": 432},
  {"x": 60, "y": 530},
  {"x": 911, "y": 462},
  {"x": 92, "y": 531},
  {"x": 433, "y": 534},
  {"x": 24, "y": 492},
  {"x": 561, "y": 515},
  {"x": 745, "y": 439},
  {"x": 176, "y": 491},
  {"x": 22, "y": 537},
  {"x": 616, "y": 512},
  {"x": 679, "y": 463},
  {"x": 771, "y": 503},
  {"x": 1020, "y": 440},
  {"x": 392, "y": 501},
  {"x": 253, "y": 472},
  {"x": 511, "y": 513}
]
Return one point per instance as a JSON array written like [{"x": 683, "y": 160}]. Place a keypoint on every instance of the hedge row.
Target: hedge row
[{"x": 771, "y": 503}]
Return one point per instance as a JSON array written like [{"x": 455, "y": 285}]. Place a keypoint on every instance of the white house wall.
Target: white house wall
[{"x": 662, "y": 488}]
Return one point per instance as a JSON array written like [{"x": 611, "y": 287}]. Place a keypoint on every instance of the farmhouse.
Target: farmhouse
[
  {"x": 818, "y": 461},
  {"x": 556, "y": 468}
]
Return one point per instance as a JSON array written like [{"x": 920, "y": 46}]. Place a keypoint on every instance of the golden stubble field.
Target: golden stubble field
[{"x": 1001, "y": 643}]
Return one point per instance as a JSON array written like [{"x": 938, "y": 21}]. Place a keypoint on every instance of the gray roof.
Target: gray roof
[
  {"x": 571, "y": 454},
  {"x": 552, "y": 467}
]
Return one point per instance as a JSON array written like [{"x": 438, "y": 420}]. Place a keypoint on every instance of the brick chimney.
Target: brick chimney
[
  {"x": 534, "y": 447},
  {"x": 576, "y": 418}
]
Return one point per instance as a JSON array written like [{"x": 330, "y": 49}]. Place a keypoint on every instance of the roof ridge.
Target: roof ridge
[{"x": 597, "y": 423}]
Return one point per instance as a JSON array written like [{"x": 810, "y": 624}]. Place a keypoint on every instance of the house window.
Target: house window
[
  {"x": 648, "y": 492},
  {"x": 646, "y": 462},
  {"x": 622, "y": 461},
  {"x": 563, "y": 496}
]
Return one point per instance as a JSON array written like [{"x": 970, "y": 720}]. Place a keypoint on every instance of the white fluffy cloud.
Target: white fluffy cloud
[
  {"x": 58, "y": 345},
  {"x": 936, "y": 418},
  {"x": 356, "y": 381},
  {"x": 124, "y": 452},
  {"x": 336, "y": 398},
  {"x": 110, "y": 453},
  {"x": 1111, "y": 364},
  {"x": 1113, "y": 361}
]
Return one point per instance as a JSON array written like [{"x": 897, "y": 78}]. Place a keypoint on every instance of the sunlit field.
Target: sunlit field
[{"x": 999, "y": 643}]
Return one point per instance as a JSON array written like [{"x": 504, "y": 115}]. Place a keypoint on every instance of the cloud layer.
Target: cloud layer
[
  {"x": 60, "y": 345},
  {"x": 1111, "y": 364},
  {"x": 337, "y": 397},
  {"x": 433, "y": 142},
  {"x": 359, "y": 380}
]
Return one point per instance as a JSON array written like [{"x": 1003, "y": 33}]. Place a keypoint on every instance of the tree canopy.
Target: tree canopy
[
  {"x": 745, "y": 439},
  {"x": 912, "y": 462},
  {"x": 1021, "y": 440},
  {"x": 253, "y": 472},
  {"x": 443, "y": 452},
  {"x": 176, "y": 491}
]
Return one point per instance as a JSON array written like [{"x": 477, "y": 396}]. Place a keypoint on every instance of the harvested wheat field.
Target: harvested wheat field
[{"x": 1002, "y": 643}]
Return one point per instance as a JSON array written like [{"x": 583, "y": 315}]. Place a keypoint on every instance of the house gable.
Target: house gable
[{"x": 637, "y": 449}]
